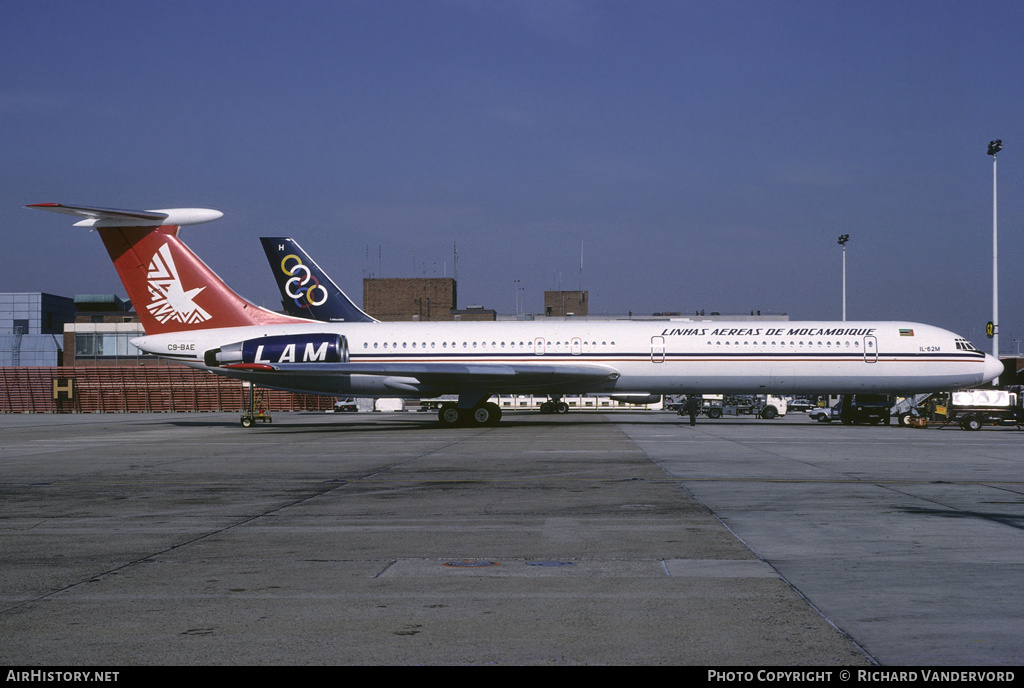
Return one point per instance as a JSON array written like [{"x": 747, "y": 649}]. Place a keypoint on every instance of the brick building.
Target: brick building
[
  {"x": 412, "y": 298},
  {"x": 558, "y": 303}
]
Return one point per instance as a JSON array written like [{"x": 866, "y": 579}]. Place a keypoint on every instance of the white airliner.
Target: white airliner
[{"x": 193, "y": 317}]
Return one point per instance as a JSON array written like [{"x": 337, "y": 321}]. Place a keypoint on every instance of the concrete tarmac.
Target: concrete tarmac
[{"x": 626, "y": 538}]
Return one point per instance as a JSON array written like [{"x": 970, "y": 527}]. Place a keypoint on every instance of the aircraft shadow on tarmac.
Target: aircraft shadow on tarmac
[{"x": 400, "y": 422}]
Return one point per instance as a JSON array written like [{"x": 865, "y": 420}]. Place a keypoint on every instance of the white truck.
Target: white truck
[
  {"x": 973, "y": 408},
  {"x": 762, "y": 406}
]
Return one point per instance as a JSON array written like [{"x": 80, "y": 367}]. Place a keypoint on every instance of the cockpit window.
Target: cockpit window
[{"x": 965, "y": 345}]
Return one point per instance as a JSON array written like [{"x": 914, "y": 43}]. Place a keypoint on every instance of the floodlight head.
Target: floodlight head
[
  {"x": 995, "y": 146},
  {"x": 843, "y": 238}
]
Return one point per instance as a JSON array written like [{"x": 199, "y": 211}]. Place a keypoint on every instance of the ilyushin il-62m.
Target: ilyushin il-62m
[{"x": 190, "y": 315}]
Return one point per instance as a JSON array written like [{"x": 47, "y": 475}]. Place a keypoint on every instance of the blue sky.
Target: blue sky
[{"x": 705, "y": 155}]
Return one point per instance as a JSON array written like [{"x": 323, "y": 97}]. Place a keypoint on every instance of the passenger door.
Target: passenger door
[
  {"x": 657, "y": 349},
  {"x": 870, "y": 349}
]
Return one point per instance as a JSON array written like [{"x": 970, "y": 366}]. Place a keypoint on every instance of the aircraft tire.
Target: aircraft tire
[
  {"x": 562, "y": 407},
  {"x": 449, "y": 415},
  {"x": 486, "y": 414}
]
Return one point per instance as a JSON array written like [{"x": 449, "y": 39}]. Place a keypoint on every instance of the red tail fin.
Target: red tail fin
[{"x": 171, "y": 289}]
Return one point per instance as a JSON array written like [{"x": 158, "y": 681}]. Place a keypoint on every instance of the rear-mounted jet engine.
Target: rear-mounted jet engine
[{"x": 306, "y": 348}]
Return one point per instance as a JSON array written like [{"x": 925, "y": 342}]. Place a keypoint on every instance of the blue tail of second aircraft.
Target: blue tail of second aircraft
[{"x": 306, "y": 291}]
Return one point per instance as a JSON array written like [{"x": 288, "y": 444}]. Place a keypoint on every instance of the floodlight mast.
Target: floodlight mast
[
  {"x": 993, "y": 149},
  {"x": 843, "y": 238}
]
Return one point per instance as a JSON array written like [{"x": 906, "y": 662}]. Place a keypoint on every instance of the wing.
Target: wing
[{"x": 452, "y": 377}]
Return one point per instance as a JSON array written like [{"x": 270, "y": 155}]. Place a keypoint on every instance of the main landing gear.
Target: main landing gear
[
  {"x": 554, "y": 405},
  {"x": 485, "y": 413}
]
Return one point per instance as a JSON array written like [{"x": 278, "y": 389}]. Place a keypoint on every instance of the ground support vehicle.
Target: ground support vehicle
[
  {"x": 712, "y": 405},
  {"x": 822, "y": 414},
  {"x": 760, "y": 405},
  {"x": 974, "y": 408},
  {"x": 773, "y": 407},
  {"x": 908, "y": 408},
  {"x": 346, "y": 405},
  {"x": 257, "y": 410},
  {"x": 800, "y": 404},
  {"x": 674, "y": 405},
  {"x": 863, "y": 409}
]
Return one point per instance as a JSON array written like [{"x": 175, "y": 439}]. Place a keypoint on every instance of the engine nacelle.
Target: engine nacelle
[{"x": 285, "y": 348}]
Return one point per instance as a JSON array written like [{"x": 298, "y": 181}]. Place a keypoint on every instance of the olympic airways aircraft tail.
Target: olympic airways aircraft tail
[{"x": 306, "y": 290}]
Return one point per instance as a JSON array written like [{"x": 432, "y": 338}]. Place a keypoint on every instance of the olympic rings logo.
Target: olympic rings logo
[{"x": 302, "y": 286}]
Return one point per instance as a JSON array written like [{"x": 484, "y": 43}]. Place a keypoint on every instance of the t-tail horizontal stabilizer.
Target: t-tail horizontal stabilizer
[{"x": 111, "y": 217}]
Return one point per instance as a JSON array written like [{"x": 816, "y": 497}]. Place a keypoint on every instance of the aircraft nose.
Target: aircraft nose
[{"x": 993, "y": 367}]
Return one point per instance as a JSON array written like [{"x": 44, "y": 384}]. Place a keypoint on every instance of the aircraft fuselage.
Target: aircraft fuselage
[{"x": 663, "y": 357}]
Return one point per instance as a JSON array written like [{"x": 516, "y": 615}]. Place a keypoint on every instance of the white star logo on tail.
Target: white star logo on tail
[{"x": 170, "y": 300}]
